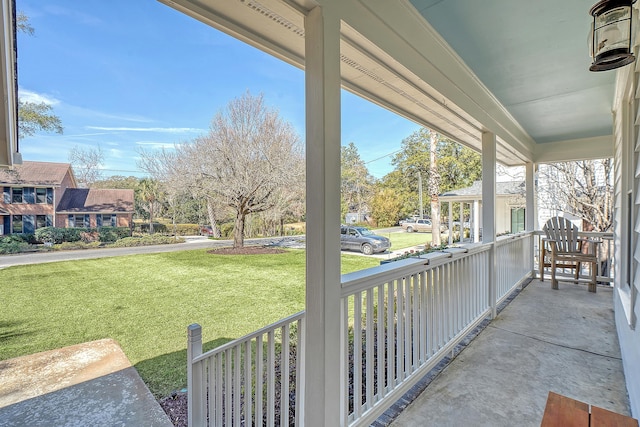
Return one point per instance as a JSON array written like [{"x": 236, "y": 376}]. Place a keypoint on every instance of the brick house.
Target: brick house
[{"x": 42, "y": 194}]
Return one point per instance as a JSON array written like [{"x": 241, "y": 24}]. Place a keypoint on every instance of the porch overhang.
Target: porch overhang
[{"x": 390, "y": 56}]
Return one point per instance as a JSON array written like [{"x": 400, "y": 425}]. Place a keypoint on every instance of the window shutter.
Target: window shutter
[
  {"x": 114, "y": 220},
  {"x": 87, "y": 221},
  {"x": 49, "y": 221},
  {"x": 50, "y": 196},
  {"x": 6, "y": 194},
  {"x": 72, "y": 221},
  {"x": 7, "y": 224},
  {"x": 29, "y": 195},
  {"x": 98, "y": 220},
  {"x": 28, "y": 224}
]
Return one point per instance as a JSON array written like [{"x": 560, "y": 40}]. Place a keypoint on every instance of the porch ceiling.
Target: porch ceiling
[{"x": 517, "y": 69}]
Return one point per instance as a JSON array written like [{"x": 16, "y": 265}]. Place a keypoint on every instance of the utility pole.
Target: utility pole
[{"x": 420, "y": 194}]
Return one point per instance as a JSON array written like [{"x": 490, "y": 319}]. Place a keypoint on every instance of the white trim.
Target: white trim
[{"x": 599, "y": 147}]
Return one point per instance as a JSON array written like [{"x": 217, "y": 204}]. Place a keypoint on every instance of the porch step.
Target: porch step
[{"x": 86, "y": 384}]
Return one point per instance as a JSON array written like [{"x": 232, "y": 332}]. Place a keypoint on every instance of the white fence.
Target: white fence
[
  {"x": 399, "y": 321},
  {"x": 255, "y": 380},
  {"x": 514, "y": 262}
]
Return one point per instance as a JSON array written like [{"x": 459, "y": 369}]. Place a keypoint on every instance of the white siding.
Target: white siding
[{"x": 626, "y": 229}]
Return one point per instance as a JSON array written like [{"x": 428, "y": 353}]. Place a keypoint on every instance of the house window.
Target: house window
[
  {"x": 17, "y": 224},
  {"x": 41, "y": 221},
  {"x": 81, "y": 221},
  {"x": 517, "y": 220},
  {"x": 41, "y": 195},
  {"x": 106, "y": 220},
  {"x": 17, "y": 195}
]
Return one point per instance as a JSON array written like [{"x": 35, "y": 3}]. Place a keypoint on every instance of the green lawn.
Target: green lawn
[
  {"x": 402, "y": 239},
  {"x": 146, "y": 302}
]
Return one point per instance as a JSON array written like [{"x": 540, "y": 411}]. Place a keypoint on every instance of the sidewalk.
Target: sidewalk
[{"x": 89, "y": 384}]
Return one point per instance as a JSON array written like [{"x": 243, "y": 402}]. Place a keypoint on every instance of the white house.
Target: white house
[{"x": 510, "y": 205}]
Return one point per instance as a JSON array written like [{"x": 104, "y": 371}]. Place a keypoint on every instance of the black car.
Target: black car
[{"x": 362, "y": 239}]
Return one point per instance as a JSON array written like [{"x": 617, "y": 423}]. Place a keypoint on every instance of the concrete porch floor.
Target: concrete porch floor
[{"x": 546, "y": 340}]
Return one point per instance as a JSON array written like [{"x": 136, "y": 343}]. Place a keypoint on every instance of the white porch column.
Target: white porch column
[
  {"x": 489, "y": 209},
  {"x": 530, "y": 210},
  {"x": 476, "y": 221},
  {"x": 461, "y": 222},
  {"x": 322, "y": 394},
  {"x": 450, "y": 223}
]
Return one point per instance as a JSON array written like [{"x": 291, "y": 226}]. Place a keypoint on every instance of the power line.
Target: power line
[{"x": 382, "y": 157}]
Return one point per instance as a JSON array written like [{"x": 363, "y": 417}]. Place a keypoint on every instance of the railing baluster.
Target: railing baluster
[
  {"x": 400, "y": 331},
  {"x": 391, "y": 353},
  {"x": 357, "y": 354},
  {"x": 259, "y": 380},
  {"x": 248, "y": 384},
  {"x": 228, "y": 381},
  {"x": 271, "y": 378},
  {"x": 382, "y": 332},
  {"x": 237, "y": 374},
  {"x": 370, "y": 341},
  {"x": 284, "y": 377}
]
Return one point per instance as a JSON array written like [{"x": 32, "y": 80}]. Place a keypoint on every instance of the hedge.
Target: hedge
[{"x": 59, "y": 235}]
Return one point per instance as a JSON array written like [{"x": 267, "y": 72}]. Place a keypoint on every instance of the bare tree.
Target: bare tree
[
  {"x": 87, "y": 163},
  {"x": 581, "y": 188},
  {"x": 248, "y": 157}
]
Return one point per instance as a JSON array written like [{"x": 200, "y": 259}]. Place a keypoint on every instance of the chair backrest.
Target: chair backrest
[{"x": 564, "y": 233}]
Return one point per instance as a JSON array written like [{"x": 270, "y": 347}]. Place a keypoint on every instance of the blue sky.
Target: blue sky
[{"x": 124, "y": 74}]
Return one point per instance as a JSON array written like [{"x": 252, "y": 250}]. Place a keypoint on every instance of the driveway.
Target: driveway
[{"x": 191, "y": 242}]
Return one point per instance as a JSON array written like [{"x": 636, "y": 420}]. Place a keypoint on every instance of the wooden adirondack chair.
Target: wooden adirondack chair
[{"x": 564, "y": 249}]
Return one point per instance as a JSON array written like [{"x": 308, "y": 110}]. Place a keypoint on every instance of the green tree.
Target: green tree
[
  {"x": 34, "y": 116},
  {"x": 457, "y": 167},
  {"x": 356, "y": 183},
  {"x": 385, "y": 207},
  {"x": 149, "y": 195}
]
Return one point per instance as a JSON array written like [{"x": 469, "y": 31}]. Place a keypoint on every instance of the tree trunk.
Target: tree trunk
[
  {"x": 238, "y": 231},
  {"x": 211, "y": 211},
  {"x": 151, "y": 218},
  {"x": 434, "y": 189}
]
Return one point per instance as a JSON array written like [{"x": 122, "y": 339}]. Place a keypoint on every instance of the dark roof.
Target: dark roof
[
  {"x": 85, "y": 200},
  {"x": 35, "y": 173},
  {"x": 502, "y": 189}
]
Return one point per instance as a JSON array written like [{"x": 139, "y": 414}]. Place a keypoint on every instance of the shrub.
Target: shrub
[
  {"x": 13, "y": 244},
  {"x": 147, "y": 240},
  {"x": 185, "y": 229},
  {"x": 77, "y": 245},
  {"x": 226, "y": 229},
  {"x": 89, "y": 236},
  {"x": 72, "y": 234},
  {"x": 157, "y": 227},
  {"x": 107, "y": 235},
  {"x": 50, "y": 235}
]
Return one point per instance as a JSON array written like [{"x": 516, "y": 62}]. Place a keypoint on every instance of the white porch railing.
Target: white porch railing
[
  {"x": 399, "y": 321},
  {"x": 254, "y": 380},
  {"x": 514, "y": 262}
]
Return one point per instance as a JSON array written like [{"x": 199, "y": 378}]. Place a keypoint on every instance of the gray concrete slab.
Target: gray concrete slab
[
  {"x": 90, "y": 384},
  {"x": 546, "y": 340}
]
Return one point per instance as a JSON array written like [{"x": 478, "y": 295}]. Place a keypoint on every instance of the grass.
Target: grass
[
  {"x": 402, "y": 239},
  {"x": 145, "y": 302}
]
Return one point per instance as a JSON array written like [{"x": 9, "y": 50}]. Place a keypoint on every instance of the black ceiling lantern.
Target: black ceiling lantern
[{"x": 611, "y": 35}]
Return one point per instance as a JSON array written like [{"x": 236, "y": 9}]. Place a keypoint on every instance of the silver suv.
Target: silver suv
[
  {"x": 417, "y": 224},
  {"x": 362, "y": 239}
]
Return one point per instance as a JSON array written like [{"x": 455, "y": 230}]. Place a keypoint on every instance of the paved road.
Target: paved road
[
  {"x": 195, "y": 242},
  {"x": 192, "y": 242}
]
